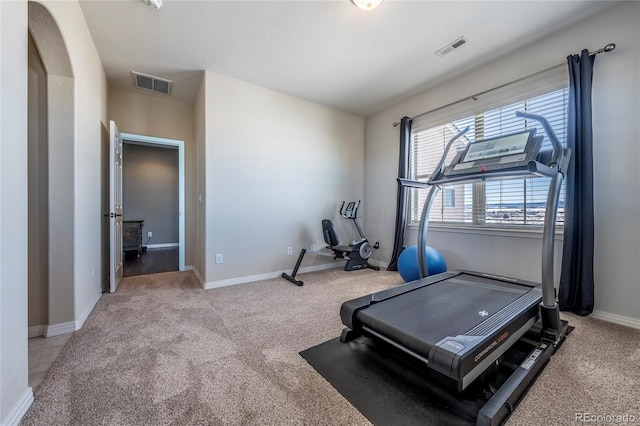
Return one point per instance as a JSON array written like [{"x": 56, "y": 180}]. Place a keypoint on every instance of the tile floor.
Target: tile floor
[{"x": 43, "y": 351}]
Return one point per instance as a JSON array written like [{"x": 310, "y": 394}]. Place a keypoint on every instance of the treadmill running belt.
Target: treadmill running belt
[{"x": 422, "y": 317}]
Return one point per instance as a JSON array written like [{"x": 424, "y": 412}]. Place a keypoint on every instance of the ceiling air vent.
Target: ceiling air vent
[
  {"x": 149, "y": 82},
  {"x": 451, "y": 46}
]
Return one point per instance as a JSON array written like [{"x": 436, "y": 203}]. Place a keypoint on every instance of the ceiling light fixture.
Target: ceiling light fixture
[
  {"x": 367, "y": 4},
  {"x": 156, "y": 4}
]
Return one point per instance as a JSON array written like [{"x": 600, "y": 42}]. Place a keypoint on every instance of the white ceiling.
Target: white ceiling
[{"x": 328, "y": 52}]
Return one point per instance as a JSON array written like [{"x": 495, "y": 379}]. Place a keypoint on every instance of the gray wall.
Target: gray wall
[
  {"x": 200, "y": 167},
  {"x": 150, "y": 190},
  {"x": 38, "y": 192},
  {"x": 77, "y": 89},
  {"x": 275, "y": 166},
  {"x": 14, "y": 391}
]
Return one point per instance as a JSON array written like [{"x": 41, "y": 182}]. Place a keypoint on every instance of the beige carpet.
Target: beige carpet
[{"x": 163, "y": 351}]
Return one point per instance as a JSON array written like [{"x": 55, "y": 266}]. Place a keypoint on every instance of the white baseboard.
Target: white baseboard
[
  {"x": 163, "y": 245},
  {"x": 80, "y": 321},
  {"x": 199, "y": 277},
  {"x": 37, "y": 330},
  {"x": 266, "y": 276},
  {"x": 65, "y": 327},
  {"x": 20, "y": 409},
  {"x": 60, "y": 329},
  {"x": 314, "y": 268},
  {"x": 617, "y": 319},
  {"x": 188, "y": 268},
  {"x": 379, "y": 263}
]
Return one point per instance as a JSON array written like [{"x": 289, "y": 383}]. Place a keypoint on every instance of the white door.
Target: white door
[{"x": 115, "y": 207}]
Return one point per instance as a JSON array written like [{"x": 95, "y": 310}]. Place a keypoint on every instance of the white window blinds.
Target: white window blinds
[{"x": 493, "y": 203}]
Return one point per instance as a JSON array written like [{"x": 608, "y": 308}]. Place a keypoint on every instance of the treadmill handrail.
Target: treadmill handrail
[
  {"x": 558, "y": 151},
  {"x": 412, "y": 183},
  {"x": 439, "y": 168}
]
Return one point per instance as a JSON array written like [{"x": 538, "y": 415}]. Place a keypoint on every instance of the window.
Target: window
[
  {"x": 449, "y": 196},
  {"x": 494, "y": 203}
]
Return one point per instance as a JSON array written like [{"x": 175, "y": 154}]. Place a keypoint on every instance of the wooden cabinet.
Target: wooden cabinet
[{"x": 132, "y": 235}]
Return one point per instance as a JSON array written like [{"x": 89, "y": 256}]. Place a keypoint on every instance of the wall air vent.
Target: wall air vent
[
  {"x": 149, "y": 82},
  {"x": 451, "y": 46}
]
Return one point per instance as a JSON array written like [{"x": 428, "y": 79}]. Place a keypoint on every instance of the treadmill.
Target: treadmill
[{"x": 461, "y": 323}]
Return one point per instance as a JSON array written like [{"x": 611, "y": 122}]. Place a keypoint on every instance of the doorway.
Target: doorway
[{"x": 153, "y": 204}]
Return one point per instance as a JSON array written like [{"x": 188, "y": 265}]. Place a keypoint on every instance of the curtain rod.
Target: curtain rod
[{"x": 608, "y": 48}]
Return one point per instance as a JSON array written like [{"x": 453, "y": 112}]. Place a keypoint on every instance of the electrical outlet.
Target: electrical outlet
[
  {"x": 219, "y": 258},
  {"x": 149, "y": 234},
  {"x": 313, "y": 247},
  {"x": 289, "y": 251}
]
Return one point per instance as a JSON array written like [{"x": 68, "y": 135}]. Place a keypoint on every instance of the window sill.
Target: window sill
[{"x": 512, "y": 231}]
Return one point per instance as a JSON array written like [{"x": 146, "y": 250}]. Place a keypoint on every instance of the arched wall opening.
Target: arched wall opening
[{"x": 56, "y": 194}]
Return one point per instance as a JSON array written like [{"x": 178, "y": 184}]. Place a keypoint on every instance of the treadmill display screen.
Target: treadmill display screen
[{"x": 499, "y": 147}]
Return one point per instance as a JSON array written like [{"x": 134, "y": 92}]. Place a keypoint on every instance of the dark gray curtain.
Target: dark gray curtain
[
  {"x": 576, "y": 280},
  {"x": 401, "y": 204}
]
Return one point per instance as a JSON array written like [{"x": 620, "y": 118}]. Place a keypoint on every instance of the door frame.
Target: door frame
[{"x": 164, "y": 143}]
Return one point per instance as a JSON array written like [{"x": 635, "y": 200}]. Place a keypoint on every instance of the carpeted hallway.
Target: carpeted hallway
[{"x": 163, "y": 351}]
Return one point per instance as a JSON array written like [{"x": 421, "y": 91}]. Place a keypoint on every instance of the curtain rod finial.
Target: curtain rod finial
[{"x": 608, "y": 48}]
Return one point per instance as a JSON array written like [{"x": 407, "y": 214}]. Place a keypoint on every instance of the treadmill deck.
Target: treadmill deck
[
  {"x": 445, "y": 308},
  {"x": 459, "y": 323}
]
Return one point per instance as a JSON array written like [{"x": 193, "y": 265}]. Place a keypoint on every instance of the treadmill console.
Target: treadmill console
[{"x": 496, "y": 154}]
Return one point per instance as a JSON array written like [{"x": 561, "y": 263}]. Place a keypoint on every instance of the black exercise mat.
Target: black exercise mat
[{"x": 387, "y": 386}]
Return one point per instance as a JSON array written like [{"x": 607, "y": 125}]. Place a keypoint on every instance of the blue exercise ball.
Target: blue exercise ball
[{"x": 408, "y": 263}]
